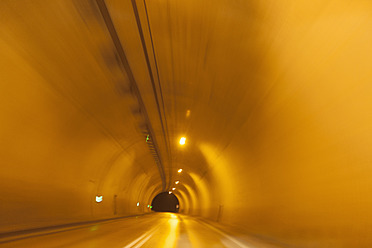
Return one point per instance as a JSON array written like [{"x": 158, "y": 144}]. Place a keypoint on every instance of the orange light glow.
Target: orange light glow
[{"x": 182, "y": 141}]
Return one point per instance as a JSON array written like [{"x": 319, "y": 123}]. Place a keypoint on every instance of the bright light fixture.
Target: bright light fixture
[
  {"x": 177, "y": 182},
  {"x": 173, "y": 188},
  {"x": 99, "y": 198},
  {"x": 182, "y": 141},
  {"x": 180, "y": 170},
  {"x": 170, "y": 192},
  {"x": 137, "y": 204}
]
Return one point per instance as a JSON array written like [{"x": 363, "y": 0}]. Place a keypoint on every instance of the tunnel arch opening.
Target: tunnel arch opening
[{"x": 165, "y": 202}]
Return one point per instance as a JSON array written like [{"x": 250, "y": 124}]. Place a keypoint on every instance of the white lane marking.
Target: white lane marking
[
  {"x": 143, "y": 241},
  {"x": 144, "y": 236},
  {"x": 235, "y": 241}
]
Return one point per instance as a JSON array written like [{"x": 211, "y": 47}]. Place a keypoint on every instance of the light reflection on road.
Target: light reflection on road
[
  {"x": 157, "y": 230},
  {"x": 170, "y": 241}
]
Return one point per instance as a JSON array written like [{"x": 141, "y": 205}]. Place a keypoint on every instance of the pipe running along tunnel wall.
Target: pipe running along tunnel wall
[{"x": 273, "y": 97}]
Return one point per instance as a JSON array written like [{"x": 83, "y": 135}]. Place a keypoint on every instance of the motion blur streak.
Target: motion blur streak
[
  {"x": 270, "y": 99},
  {"x": 161, "y": 230}
]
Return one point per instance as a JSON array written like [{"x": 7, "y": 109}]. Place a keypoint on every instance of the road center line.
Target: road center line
[
  {"x": 143, "y": 241},
  {"x": 144, "y": 238}
]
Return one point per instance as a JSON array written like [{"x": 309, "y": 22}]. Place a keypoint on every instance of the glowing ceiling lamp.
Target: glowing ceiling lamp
[
  {"x": 170, "y": 192},
  {"x": 180, "y": 170},
  {"x": 177, "y": 182},
  {"x": 137, "y": 204},
  {"x": 173, "y": 188},
  {"x": 182, "y": 141}
]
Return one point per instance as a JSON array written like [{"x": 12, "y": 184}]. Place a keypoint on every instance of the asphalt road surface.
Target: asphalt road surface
[{"x": 153, "y": 230}]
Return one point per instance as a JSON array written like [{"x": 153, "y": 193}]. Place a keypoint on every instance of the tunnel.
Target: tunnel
[{"x": 255, "y": 115}]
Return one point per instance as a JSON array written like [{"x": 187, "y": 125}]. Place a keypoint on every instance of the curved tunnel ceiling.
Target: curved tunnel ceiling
[{"x": 273, "y": 98}]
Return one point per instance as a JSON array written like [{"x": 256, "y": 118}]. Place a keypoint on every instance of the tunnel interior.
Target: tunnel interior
[
  {"x": 272, "y": 97},
  {"x": 165, "y": 202}
]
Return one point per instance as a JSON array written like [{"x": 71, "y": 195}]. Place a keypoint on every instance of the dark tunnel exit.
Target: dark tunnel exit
[{"x": 165, "y": 202}]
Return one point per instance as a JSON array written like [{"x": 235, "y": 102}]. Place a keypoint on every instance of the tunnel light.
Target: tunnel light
[
  {"x": 177, "y": 206},
  {"x": 180, "y": 170},
  {"x": 148, "y": 206},
  {"x": 170, "y": 192},
  {"x": 188, "y": 112},
  {"x": 182, "y": 141},
  {"x": 99, "y": 198},
  {"x": 173, "y": 188},
  {"x": 177, "y": 182},
  {"x": 147, "y": 138},
  {"x": 137, "y": 204}
]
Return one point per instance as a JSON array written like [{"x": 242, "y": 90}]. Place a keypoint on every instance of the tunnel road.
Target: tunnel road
[{"x": 154, "y": 230}]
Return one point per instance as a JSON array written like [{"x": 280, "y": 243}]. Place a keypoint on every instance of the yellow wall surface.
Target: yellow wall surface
[{"x": 68, "y": 133}]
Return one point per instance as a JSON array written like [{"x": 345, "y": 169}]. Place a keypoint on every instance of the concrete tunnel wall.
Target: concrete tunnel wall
[
  {"x": 278, "y": 133},
  {"x": 67, "y": 131}
]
